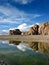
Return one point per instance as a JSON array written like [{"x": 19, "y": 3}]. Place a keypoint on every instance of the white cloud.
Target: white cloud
[
  {"x": 36, "y": 15},
  {"x": 12, "y": 28},
  {"x": 24, "y": 1},
  {"x": 14, "y": 15},
  {"x": 23, "y": 27},
  {"x": 11, "y": 15},
  {"x": 19, "y": 1},
  {"x": 37, "y": 23},
  {"x": 4, "y": 32}
]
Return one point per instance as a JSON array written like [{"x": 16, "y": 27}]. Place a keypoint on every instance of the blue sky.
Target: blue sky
[{"x": 22, "y": 13}]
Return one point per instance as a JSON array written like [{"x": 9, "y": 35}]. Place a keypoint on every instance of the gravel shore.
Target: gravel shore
[{"x": 36, "y": 38}]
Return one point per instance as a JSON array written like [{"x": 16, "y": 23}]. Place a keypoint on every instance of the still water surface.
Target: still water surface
[{"x": 24, "y": 53}]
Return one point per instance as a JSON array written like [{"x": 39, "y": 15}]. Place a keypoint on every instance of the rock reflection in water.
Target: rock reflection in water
[
  {"x": 34, "y": 45},
  {"x": 38, "y": 46},
  {"x": 14, "y": 42},
  {"x": 43, "y": 47}
]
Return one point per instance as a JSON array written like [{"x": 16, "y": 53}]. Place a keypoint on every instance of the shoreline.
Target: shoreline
[{"x": 34, "y": 38}]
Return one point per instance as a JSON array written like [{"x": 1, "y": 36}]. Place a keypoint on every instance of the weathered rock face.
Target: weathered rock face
[
  {"x": 34, "y": 30},
  {"x": 44, "y": 28},
  {"x": 15, "y": 32}
]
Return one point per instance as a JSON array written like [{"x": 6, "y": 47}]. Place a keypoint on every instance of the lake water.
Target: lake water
[{"x": 24, "y": 53}]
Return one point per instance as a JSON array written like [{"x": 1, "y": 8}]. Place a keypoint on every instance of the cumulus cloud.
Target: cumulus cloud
[
  {"x": 23, "y": 27},
  {"x": 24, "y": 1}
]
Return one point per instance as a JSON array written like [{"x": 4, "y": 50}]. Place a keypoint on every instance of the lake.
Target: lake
[{"x": 24, "y": 53}]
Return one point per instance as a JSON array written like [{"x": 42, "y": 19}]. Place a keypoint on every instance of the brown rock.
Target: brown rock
[
  {"x": 34, "y": 30},
  {"x": 25, "y": 33},
  {"x": 44, "y": 28}
]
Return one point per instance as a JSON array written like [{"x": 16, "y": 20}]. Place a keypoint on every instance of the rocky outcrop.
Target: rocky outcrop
[
  {"x": 44, "y": 28},
  {"x": 15, "y": 32},
  {"x": 41, "y": 29},
  {"x": 34, "y": 30}
]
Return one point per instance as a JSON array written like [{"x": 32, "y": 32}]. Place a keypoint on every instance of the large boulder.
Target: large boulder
[
  {"x": 15, "y": 32},
  {"x": 34, "y": 30},
  {"x": 44, "y": 28}
]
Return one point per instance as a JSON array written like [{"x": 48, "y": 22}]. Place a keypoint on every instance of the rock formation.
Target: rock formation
[
  {"x": 44, "y": 28},
  {"x": 41, "y": 29},
  {"x": 34, "y": 30},
  {"x": 15, "y": 32}
]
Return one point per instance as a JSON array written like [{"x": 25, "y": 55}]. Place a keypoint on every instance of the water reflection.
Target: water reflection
[
  {"x": 14, "y": 42},
  {"x": 37, "y": 46},
  {"x": 33, "y": 45},
  {"x": 22, "y": 53},
  {"x": 40, "y": 46},
  {"x": 44, "y": 47}
]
